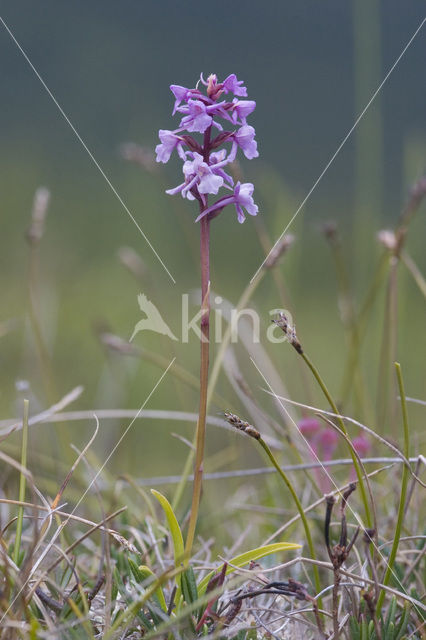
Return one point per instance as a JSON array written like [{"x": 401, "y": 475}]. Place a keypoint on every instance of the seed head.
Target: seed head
[
  {"x": 278, "y": 250},
  {"x": 236, "y": 422},
  {"x": 290, "y": 331}
]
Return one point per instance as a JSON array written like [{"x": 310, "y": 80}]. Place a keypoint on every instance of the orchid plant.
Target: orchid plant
[{"x": 218, "y": 111}]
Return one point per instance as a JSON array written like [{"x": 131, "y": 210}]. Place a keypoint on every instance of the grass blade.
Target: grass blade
[
  {"x": 22, "y": 484},
  {"x": 248, "y": 556}
]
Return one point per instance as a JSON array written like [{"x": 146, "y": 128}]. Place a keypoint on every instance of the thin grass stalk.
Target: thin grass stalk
[
  {"x": 387, "y": 397},
  {"x": 355, "y": 347},
  {"x": 22, "y": 484},
  {"x": 420, "y": 281},
  {"x": 404, "y": 484},
  {"x": 34, "y": 236},
  {"x": 245, "y": 297},
  {"x": 204, "y": 373},
  {"x": 42, "y": 350},
  {"x": 343, "y": 429},
  {"x": 300, "y": 510},
  {"x": 368, "y": 138}
]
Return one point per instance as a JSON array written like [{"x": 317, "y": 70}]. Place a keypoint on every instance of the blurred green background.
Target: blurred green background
[{"x": 312, "y": 67}]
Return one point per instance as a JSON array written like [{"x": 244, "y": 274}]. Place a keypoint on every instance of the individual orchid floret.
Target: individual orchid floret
[
  {"x": 241, "y": 198},
  {"x": 200, "y": 175},
  {"x": 244, "y": 138},
  {"x": 218, "y": 160},
  {"x": 240, "y": 109},
  {"x": 197, "y": 119},
  {"x": 234, "y": 86},
  {"x": 169, "y": 142},
  {"x": 199, "y": 116},
  {"x": 182, "y": 94}
]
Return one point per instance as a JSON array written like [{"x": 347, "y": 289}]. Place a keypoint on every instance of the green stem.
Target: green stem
[
  {"x": 343, "y": 429},
  {"x": 299, "y": 508},
  {"x": 404, "y": 484},
  {"x": 349, "y": 321},
  {"x": 204, "y": 374},
  {"x": 355, "y": 347},
  {"x": 247, "y": 293},
  {"x": 386, "y": 402},
  {"x": 414, "y": 271},
  {"x": 22, "y": 484}
]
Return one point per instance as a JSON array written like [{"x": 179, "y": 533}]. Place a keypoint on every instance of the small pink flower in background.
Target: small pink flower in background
[
  {"x": 323, "y": 442},
  {"x": 309, "y": 426},
  {"x": 362, "y": 446},
  {"x": 328, "y": 440}
]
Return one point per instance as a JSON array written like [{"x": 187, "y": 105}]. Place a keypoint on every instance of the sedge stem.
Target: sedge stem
[
  {"x": 341, "y": 423},
  {"x": 404, "y": 483},
  {"x": 299, "y": 508},
  {"x": 22, "y": 484}
]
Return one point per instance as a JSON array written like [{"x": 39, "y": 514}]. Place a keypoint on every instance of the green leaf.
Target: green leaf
[
  {"x": 252, "y": 634},
  {"x": 355, "y": 633},
  {"x": 141, "y": 574},
  {"x": 390, "y": 615},
  {"x": 189, "y": 586},
  {"x": 175, "y": 532},
  {"x": 403, "y": 623},
  {"x": 248, "y": 556},
  {"x": 128, "y": 599}
]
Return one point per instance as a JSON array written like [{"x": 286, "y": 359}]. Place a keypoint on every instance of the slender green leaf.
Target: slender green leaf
[
  {"x": 403, "y": 623},
  {"x": 141, "y": 574},
  {"x": 189, "y": 585},
  {"x": 175, "y": 532},
  {"x": 390, "y": 616},
  {"x": 17, "y": 554},
  {"x": 249, "y": 556},
  {"x": 128, "y": 599},
  {"x": 354, "y": 627},
  {"x": 364, "y": 630}
]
